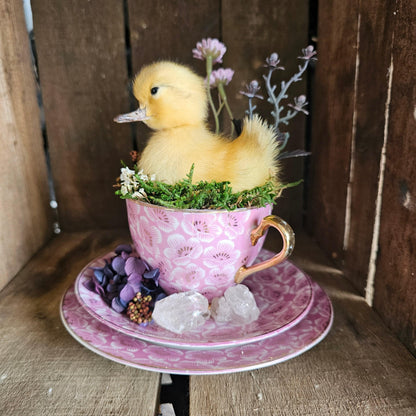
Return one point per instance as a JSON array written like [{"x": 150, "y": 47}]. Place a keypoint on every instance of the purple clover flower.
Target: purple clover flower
[
  {"x": 252, "y": 89},
  {"x": 221, "y": 76},
  {"x": 308, "y": 54},
  {"x": 300, "y": 102},
  {"x": 273, "y": 61},
  {"x": 209, "y": 47}
]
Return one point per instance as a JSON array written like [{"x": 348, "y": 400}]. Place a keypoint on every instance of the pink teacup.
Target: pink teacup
[{"x": 204, "y": 250}]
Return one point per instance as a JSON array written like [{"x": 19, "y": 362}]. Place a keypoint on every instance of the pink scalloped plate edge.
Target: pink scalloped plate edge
[
  {"x": 283, "y": 293},
  {"x": 140, "y": 354}
]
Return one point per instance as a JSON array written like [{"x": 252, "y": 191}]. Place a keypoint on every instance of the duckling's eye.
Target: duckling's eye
[{"x": 154, "y": 90}]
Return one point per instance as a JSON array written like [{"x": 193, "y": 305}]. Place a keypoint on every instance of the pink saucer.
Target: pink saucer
[
  {"x": 130, "y": 351},
  {"x": 283, "y": 294}
]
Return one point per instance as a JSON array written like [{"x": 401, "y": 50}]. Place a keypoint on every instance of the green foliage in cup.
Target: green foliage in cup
[{"x": 187, "y": 195}]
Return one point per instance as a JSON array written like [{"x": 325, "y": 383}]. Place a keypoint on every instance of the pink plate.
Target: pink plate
[
  {"x": 283, "y": 294},
  {"x": 133, "y": 352}
]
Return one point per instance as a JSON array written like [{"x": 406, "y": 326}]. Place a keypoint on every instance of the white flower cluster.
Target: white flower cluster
[{"x": 130, "y": 184}]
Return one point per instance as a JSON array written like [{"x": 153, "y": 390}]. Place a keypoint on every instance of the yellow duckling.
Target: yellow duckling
[{"x": 173, "y": 102}]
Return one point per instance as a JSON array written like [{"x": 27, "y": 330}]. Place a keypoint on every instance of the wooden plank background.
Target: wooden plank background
[
  {"x": 375, "y": 34},
  {"x": 83, "y": 74},
  {"x": 395, "y": 278},
  {"x": 183, "y": 24},
  {"x": 332, "y": 121},
  {"x": 25, "y": 215},
  {"x": 362, "y": 139}
]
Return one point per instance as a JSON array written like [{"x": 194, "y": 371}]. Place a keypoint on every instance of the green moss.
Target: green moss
[{"x": 203, "y": 195}]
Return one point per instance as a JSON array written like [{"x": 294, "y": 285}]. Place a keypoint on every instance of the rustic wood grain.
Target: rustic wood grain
[
  {"x": 83, "y": 75},
  {"x": 360, "y": 368},
  {"x": 375, "y": 39},
  {"x": 25, "y": 215},
  {"x": 332, "y": 123},
  {"x": 395, "y": 280},
  {"x": 252, "y": 33},
  {"x": 161, "y": 30},
  {"x": 44, "y": 371}
]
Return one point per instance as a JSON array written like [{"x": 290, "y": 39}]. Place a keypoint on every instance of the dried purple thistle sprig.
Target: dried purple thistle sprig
[
  {"x": 251, "y": 92},
  {"x": 308, "y": 55},
  {"x": 300, "y": 102},
  {"x": 122, "y": 277},
  {"x": 272, "y": 63}
]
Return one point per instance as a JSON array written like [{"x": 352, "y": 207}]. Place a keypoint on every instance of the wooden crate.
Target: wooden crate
[
  {"x": 358, "y": 202},
  {"x": 361, "y": 205}
]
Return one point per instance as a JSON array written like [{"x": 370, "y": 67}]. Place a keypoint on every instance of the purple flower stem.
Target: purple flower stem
[
  {"x": 223, "y": 96},
  {"x": 211, "y": 102},
  {"x": 221, "y": 105}
]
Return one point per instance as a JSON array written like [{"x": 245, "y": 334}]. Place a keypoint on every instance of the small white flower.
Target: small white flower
[
  {"x": 139, "y": 194},
  {"x": 126, "y": 174},
  {"x": 142, "y": 176},
  {"x": 130, "y": 182}
]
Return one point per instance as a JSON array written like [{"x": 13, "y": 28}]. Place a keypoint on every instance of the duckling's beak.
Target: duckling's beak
[{"x": 137, "y": 115}]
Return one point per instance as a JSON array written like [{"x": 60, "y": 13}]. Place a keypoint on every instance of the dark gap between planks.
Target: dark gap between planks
[
  {"x": 312, "y": 40},
  {"x": 130, "y": 74},
  {"x": 52, "y": 195},
  {"x": 177, "y": 393}
]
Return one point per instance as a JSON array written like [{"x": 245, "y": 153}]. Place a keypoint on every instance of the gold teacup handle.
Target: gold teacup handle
[{"x": 288, "y": 237}]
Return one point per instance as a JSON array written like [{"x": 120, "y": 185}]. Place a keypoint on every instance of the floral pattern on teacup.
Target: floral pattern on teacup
[
  {"x": 163, "y": 264},
  {"x": 181, "y": 251},
  {"x": 221, "y": 275},
  {"x": 150, "y": 236},
  {"x": 166, "y": 222},
  {"x": 190, "y": 274},
  {"x": 205, "y": 229},
  {"x": 233, "y": 223},
  {"x": 223, "y": 254}
]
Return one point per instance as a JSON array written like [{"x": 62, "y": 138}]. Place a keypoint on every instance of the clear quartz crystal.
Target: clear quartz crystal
[
  {"x": 221, "y": 311},
  {"x": 236, "y": 306},
  {"x": 181, "y": 312}
]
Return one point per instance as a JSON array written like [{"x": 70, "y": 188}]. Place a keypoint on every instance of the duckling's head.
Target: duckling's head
[{"x": 170, "y": 95}]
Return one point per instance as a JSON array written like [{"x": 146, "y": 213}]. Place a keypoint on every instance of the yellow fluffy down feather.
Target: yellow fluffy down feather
[{"x": 173, "y": 102}]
